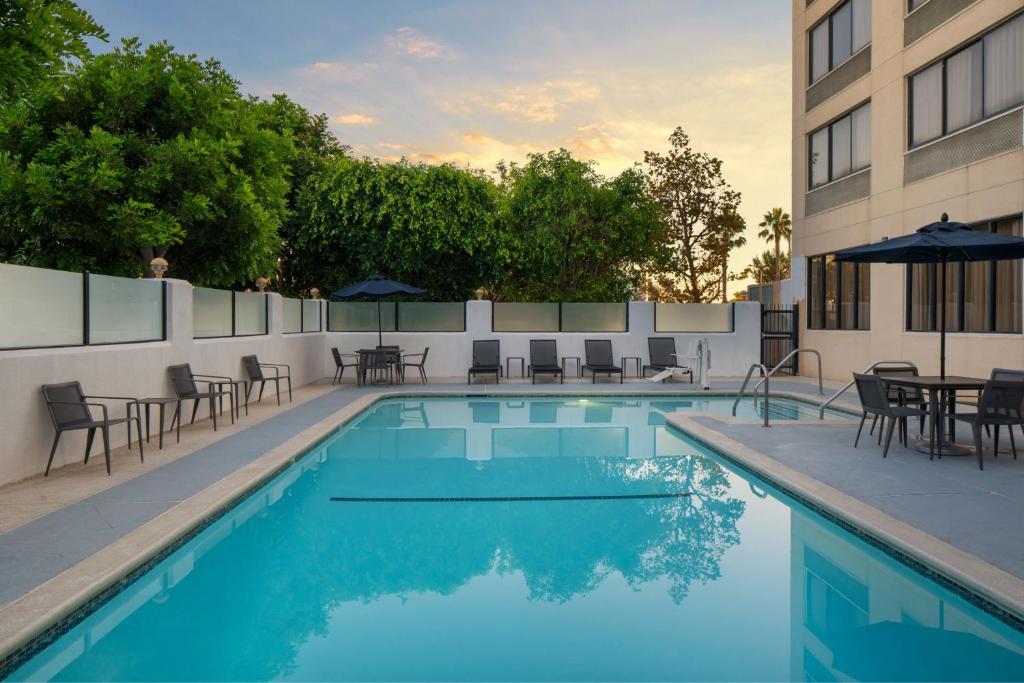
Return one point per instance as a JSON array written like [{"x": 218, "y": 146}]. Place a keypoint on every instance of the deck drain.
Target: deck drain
[{"x": 503, "y": 499}]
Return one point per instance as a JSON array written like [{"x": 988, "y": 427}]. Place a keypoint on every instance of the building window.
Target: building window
[
  {"x": 838, "y": 294},
  {"x": 914, "y": 4},
  {"x": 981, "y": 296},
  {"x": 839, "y": 36},
  {"x": 841, "y": 148},
  {"x": 978, "y": 81}
]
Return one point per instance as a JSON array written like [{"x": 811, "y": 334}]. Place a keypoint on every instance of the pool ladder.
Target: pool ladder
[{"x": 765, "y": 377}]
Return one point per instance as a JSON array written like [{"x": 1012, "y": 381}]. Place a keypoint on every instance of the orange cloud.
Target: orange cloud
[{"x": 354, "y": 119}]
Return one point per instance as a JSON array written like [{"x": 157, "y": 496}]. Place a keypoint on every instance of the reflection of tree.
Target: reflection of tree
[{"x": 273, "y": 582}]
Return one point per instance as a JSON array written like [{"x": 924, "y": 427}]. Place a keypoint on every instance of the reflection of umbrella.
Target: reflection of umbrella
[
  {"x": 377, "y": 286},
  {"x": 892, "y": 651},
  {"x": 941, "y": 243}
]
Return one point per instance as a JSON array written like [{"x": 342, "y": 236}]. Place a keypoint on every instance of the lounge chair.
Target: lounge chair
[
  {"x": 69, "y": 408},
  {"x": 486, "y": 359},
  {"x": 186, "y": 388},
  {"x": 340, "y": 365},
  {"x": 419, "y": 364},
  {"x": 874, "y": 400},
  {"x": 1001, "y": 405},
  {"x": 600, "y": 359},
  {"x": 254, "y": 369},
  {"x": 544, "y": 359},
  {"x": 662, "y": 351}
]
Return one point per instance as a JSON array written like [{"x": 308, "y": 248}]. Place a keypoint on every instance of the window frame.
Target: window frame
[
  {"x": 822, "y": 286},
  {"x": 810, "y": 45},
  {"x": 828, "y": 146}
]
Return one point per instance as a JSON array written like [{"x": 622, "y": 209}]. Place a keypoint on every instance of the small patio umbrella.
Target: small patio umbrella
[
  {"x": 377, "y": 286},
  {"x": 941, "y": 243}
]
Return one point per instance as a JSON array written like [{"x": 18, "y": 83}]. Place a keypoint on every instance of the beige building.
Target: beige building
[{"x": 903, "y": 110}]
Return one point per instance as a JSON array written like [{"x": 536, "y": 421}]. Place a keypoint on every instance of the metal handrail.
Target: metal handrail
[
  {"x": 743, "y": 388},
  {"x": 821, "y": 388},
  {"x": 833, "y": 397}
]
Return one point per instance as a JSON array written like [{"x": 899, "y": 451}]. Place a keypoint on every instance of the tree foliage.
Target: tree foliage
[
  {"x": 764, "y": 268},
  {"x": 775, "y": 227},
  {"x": 141, "y": 152}
]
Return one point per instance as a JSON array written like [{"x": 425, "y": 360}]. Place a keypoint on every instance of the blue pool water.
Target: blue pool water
[{"x": 528, "y": 539}]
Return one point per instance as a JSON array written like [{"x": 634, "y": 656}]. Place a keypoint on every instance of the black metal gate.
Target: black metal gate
[{"x": 780, "y": 330}]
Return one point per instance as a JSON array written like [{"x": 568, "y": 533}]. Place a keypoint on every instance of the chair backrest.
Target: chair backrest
[
  {"x": 871, "y": 390},
  {"x": 599, "y": 352},
  {"x": 376, "y": 359},
  {"x": 1002, "y": 399},
  {"x": 337, "y": 356},
  {"x": 1007, "y": 375},
  {"x": 423, "y": 359},
  {"x": 65, "y": 393},
  {"x": 662, "y": 350},
  {"x": 252, "y": 368},
  {"x": 181, "y": 380},
  {"x": 486, "y": 352},
  {"x": 543, "y": 353},
  {"x": 895, "y": 393}
]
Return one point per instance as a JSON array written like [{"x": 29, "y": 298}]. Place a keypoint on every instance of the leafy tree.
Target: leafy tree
[
  {"x": 571, "y": 235},
  {"x": 431, "y": 226},
  {"x": 775, "y": 227},
  {"x": 764, "y": 268},
  {"x": 729, "y": 235},
  {"x": 37, "y": 40},
  {"x": 142, "y": 153},
  {"x": 696, "y": 200}
]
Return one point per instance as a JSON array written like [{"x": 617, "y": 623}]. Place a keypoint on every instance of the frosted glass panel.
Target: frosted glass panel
[
  {"x": 431, "y": 317},
  {"x": 39, "y": 307},
  {"x": 360, "y": 316},
  {"x": 211, "y": 313},
  {"x": 594, "y": 318},
  {"x": 125, "y": 310},
  {"x": 513, "y": 317},
  {"x": 250, "y": 313},
  {"x": 693, "y": 317},
  {"x": 311, "y": 315},
  {"x": 292, "y": 315}
]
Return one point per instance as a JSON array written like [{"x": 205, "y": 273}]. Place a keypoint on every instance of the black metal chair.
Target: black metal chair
[
  {"x": 186, "y": 388},
  {"x": 340, "y": 365},
  {"x": 69, "y": 410},
  {"x": 544, "y": 359},
  {"x": 254, "y": 369},
  {"x": 1001, "y": 405},
  {"x": 395, "y": 358},
  {"x": 375, "y": 362},
  {"x": 600, "y": 359},
  {"x": 419, "y": 365},
  {"x": 662, "y": 352},
  {"x": 874, "y": 400},
  {"x": 901, "y": 396},
  {"x": 486, "y": 359}
]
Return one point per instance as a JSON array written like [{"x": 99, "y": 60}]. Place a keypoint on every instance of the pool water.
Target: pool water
[{"x": 529, "y": 539}]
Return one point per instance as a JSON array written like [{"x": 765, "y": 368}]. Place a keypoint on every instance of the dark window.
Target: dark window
[
  {"x": 838, "y": 294},
  {"x": 838, "y": 36},
  {"x": 914, "y": 4},
  {"x": 981, "y": 80},
  {"x": 841, "y": 147},
  {"x": 982, "y": 296}
]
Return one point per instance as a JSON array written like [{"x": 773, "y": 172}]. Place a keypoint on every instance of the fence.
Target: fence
[
  {"x": 694, "y": 318},
  {"x": 220, "y": 313},
  {"x": 559, "y": 317},
  {"x": 403, "y": 316},
  {"x": 302, "y": 315}
]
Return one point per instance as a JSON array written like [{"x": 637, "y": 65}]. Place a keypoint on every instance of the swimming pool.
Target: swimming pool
[{"x": 526, "y": 539}]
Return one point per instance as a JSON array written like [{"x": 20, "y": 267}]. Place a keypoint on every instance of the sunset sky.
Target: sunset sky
[{"x": 476, "y": 82}]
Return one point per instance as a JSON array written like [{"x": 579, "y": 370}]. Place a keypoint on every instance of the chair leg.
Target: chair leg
[
  {"x": 195, "y": 409},
  {"x": 1013, "y": 443},
  {"x": 277, "y": 386},
  {"x": 106, "y": 446},
  {"x": 289, "y": 388},
  {"x": 213, "y": 410},
  {"x": 177, "y": 414},
  {"x": 53, "y": 450},
  {"x": 423, "y": 374},
  {"x": 88, "y": 443},
  {"x": 888, "y": 436},
  {"x": 995, "y": 442},
  {"x": 138, "y": 429},
  {"x": 977, "y": 445},
  {"x": 881, "y": 428},
  {"x": 860, "y": 427},
  {"x": 263, "y": 385},
  {"x": 160, "y": 439},
  {"x": 248, "y": 389},
  {"x": 874, "y": 423}
]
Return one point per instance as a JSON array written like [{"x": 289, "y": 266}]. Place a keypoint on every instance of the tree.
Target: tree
[
  {"x": 775, "y": 227},
  {"x": 143, "y": 153},
  {"x": 764, "y": 268},
  {"x": 695, "y": 198},
  {"x": 37, "y": 40},
  {"x": 569, "y": 234},
  {"x": 729, "y": 235}
]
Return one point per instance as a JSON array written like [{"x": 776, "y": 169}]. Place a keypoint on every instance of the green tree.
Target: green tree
[
  {"x": 775, "y": 227},
  {"x": 569, "y": 234},
  {"x": 37, "y": 40},
  {"x": 764, "y": 268},
  {"x": 143, "y": 153},
  {"x": 729, "y": 235},
  {"x": 695, "y": 198},
  {"x": 431, "y": 226}
]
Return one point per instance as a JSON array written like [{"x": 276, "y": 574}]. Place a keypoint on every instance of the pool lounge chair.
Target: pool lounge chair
[
  {"x": 600, "y": 359},
  {"x": 662, "y": 353},
  {"x": 486, "y": 359},
  {"x": 254, "y": 369},
  {"x": 544, "y": 359},
  {"x": 874, "y": 400}
]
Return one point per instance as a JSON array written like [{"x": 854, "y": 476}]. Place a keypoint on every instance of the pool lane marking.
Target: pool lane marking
[{"x": 505, "y": 499}]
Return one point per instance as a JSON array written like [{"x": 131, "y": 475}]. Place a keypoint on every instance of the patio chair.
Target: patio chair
[
  {"x": 999, "y": 374},
  {"x": 69, "y": 410},
  {"x": 600, "y": 359},
  {"x": 254, "y": 369},
  {"x": 1001, "y": 404},
  {"x": 186, "y": 388},
  {"x": 340, "y": 365},
  {"x": 901, "y": 396},
  {"x": 486, "y": 359},
  {"x": 395, "y": 358},
  {"x": 662, "y": 353},
  {"x": 544, "y": 359},
  {"x": 419, "y": 365},
  {"x": 874, "y": 400},
  {"x": 375, "y": 362}
]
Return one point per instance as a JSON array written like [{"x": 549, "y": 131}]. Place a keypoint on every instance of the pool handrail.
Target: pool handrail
[
  {"x": 821, "y": 388},
  {"x": 833, "y": 397},
  {"x": 743, "y": 388}
]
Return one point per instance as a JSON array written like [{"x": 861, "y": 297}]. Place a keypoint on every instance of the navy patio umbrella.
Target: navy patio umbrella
[
  {"x": 941, "y": 243},
  {"x": 377, "y": 286}
]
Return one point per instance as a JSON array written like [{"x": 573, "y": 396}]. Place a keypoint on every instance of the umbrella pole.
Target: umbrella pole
[
  {"x": 942, "y": 318},
  {"x": 380, "y": 326}
]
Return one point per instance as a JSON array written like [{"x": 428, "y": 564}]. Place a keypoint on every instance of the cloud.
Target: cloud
[
  {"x": 541, "y": 102},
  {"x": 354, "y": 119},
  {"x": 409, "y": 41}
]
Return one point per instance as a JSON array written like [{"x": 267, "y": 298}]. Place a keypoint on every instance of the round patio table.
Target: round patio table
[{"x": 941, "y": 392}]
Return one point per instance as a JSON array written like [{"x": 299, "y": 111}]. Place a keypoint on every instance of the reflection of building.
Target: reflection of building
[{"x": 839, "y": 586}]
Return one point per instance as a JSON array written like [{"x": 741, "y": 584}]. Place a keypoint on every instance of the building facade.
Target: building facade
[{"x": 904, "y": 110}]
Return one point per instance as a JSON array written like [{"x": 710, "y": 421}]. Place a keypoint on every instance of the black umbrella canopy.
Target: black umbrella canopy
[{"x": 377, "y": 286}]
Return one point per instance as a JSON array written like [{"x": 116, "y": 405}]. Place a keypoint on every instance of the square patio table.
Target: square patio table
[{"x": 940, "y": 391}]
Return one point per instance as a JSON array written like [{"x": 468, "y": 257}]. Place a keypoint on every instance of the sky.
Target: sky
[{"x": 476, "y": 82}]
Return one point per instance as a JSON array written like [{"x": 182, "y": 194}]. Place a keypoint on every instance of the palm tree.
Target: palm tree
[{"x": 775, "y": 227}]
